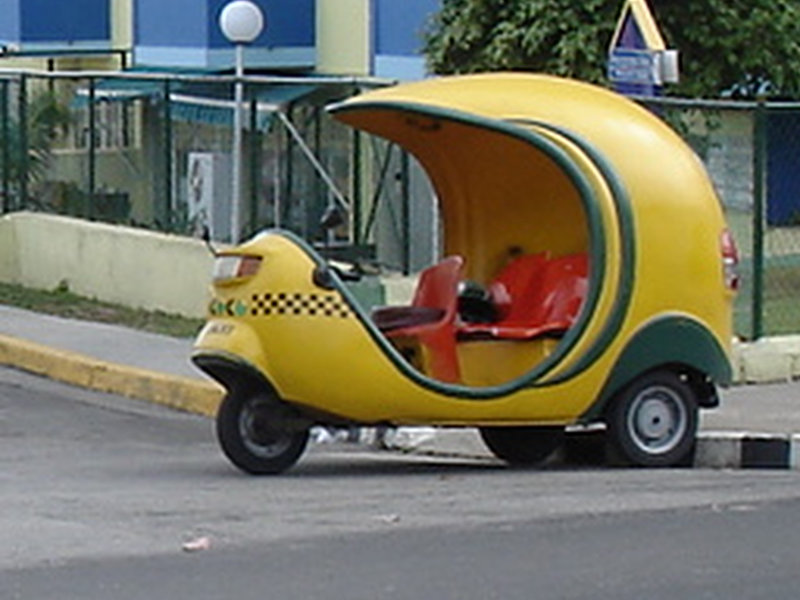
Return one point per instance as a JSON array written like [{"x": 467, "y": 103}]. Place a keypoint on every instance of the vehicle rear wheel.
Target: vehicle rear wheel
[
  {"x": 257, "y": 434},
  {"x": 523, "y": 445},
  {"x": 653, "y": 421}
]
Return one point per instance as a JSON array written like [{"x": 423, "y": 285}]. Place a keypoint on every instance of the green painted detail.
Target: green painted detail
[
  {"x": 230, "y": 308},
  {"x": 216, "y": 308},
  {"x": 627, "y": 258},
  {"x": 670, "y": 340}
]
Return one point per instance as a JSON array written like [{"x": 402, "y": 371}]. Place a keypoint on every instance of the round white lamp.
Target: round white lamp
[{"x": 241, "y": 21}]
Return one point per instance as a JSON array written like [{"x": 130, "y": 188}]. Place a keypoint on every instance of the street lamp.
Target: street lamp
[{"x": 241, "y": 21}]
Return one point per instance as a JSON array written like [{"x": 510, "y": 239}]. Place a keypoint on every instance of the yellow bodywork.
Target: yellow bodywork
[
  {"x": 518, "y": 162},
  {"x": 319, "y": 354}
]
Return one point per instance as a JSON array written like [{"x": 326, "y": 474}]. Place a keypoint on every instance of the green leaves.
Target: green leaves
[
  {"x": 726, "y": 46},
  {"x": 557, "y": 36}
]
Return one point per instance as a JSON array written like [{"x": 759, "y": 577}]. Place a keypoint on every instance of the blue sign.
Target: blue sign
[{"x": 628, "y": 65}]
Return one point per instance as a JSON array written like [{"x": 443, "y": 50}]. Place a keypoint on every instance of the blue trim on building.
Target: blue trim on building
[
  {"x": 175, "y": 23},
  {"x": 397, "y": 30},
  {"x": 404, "y": 68},
  {"x": 55, "y": 22},
  {"x": 187, "y": 33},
  {"x": 222, "y": 58},
  {"x": 399, "y": 26},
  {"x": 10, "y": 23},
  {"x": 287, "y": 23}
]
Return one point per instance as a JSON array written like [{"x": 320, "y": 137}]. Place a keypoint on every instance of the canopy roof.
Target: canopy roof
[
  {"x": 535, "y": 162},
  {"x": 210, "y": 100},
  {"x": 619, "y": 129}
]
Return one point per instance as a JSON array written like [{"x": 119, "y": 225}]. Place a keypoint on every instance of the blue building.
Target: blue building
[
  {"x": 140, "y": 139},
  {"x": 349, "y": 37}
]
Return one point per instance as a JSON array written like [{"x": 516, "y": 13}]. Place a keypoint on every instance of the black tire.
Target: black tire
[
  {"x": 653, "y": 422},
  {"x": 523, "y": 445},
  {"x": 255, "y": 434}
]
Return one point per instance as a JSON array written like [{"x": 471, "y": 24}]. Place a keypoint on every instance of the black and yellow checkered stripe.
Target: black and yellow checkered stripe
[{"x": 297, "y": 304}]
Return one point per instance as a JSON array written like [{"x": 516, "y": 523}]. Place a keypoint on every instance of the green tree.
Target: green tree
[{"x": 743, "y": 45}]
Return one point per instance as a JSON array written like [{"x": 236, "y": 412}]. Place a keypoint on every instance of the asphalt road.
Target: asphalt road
[
  {"x": 687, "y": 553},
  {"x": 99, "y": 495}
]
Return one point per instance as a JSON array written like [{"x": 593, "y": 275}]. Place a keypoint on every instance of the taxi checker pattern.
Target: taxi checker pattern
[{"x": 298, "y": 304}]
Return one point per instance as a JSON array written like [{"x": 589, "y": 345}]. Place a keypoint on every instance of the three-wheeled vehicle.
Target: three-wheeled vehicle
[{"x": 600, "y": 278}]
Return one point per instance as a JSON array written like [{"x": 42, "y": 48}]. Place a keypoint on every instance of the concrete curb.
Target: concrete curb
[
  {"x": 714, "y": 449},
  {"x": 743, "y": 450},
  {"x": 767, "y": 360},
  {"x": 183, "y": 393}
]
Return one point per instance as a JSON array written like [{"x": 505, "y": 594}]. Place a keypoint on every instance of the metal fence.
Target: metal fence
[
  {"x": 752, "y": 152},
  {"x": 155, "y": 151}
]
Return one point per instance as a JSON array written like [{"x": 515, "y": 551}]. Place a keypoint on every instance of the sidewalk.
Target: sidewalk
[{"x": 157, "y": 368}]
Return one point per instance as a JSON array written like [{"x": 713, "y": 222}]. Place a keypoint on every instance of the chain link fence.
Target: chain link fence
[
  {"x": 752, "y": 152},
  {"x": 155, "y": 152}
]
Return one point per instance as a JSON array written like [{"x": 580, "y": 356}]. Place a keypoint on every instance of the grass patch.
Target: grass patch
[
  {"x": 63, "y": 303},
  {"x": 780, "y": 300}
]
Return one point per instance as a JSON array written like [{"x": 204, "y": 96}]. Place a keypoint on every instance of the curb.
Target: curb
[
  {"x": 766, "y": 360},
  {"x": 742, "y": 450},
  {"x": 713, "y": 449},
  {"x": 183, "y": 393}
]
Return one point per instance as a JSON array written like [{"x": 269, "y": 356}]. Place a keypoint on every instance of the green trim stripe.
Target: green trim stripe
[
  {"x": 626, "y": 228},
  {"x": 674, "y": 339}
]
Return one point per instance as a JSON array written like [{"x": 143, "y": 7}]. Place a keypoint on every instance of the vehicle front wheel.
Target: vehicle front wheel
[
  {"x": 523, "y": 445},
  {"x": 653, "y": 421},
  {"x": 257, "y": 435}
]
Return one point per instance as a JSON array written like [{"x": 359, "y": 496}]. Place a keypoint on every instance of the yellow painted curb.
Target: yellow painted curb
[{"x": 183, "y": 393}]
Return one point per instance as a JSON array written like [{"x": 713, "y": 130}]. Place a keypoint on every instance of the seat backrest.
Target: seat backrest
[
  {"x": 565, "y": 284},
  {"x": 515, "y": 286},
  {"x": 438, "y": 286},
  {"x": 538, "y": 290}
]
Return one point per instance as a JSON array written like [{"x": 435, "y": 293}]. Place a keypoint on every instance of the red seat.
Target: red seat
[
  {"x": 431, "y": 318},
  {"x": 546, "y": 301},
  {"x": 518, "y": 281}
]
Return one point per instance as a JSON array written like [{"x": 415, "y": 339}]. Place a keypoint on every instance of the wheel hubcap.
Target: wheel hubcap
[
  {"x": 657, "y": 420},
  {"x": 259, "y": 431}
]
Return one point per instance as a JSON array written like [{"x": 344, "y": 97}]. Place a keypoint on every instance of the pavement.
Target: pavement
[{"x": 756, "y": 426}]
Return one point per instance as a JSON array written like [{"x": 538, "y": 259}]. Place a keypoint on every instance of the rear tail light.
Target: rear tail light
[
  {"x": 233, "y": 267},
  {"x": 730, "y": 260}
]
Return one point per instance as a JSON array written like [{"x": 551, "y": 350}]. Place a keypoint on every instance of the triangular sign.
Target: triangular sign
[{"x": 637, "y": 29}]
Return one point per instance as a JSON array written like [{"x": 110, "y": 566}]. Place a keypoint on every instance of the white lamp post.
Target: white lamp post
[{"x": 241, "y": 21}]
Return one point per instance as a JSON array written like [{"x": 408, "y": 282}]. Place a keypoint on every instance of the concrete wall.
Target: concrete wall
[{"x": 133, "y": 267}]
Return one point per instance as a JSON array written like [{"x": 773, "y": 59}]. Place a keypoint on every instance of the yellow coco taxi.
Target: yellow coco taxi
[{"x": 600, "y": 283}]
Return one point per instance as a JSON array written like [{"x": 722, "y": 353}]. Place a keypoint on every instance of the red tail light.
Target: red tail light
[
  {"x": 235, "y": 267},
  {"x": 730, "y": 260}
]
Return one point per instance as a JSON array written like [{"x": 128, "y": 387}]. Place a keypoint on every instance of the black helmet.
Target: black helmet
[{"x": 475, "y": 303}]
